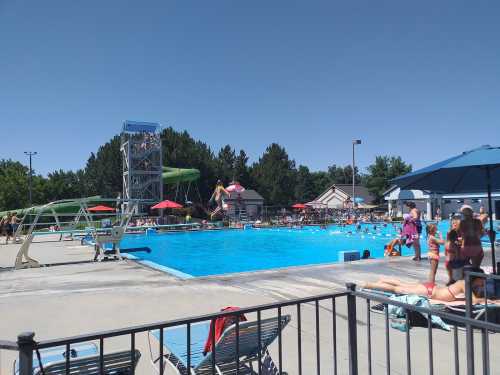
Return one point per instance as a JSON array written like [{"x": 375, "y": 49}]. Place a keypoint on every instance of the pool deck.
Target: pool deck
[{"x": 80, "y": 296}]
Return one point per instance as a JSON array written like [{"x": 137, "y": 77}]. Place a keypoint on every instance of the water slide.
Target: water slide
[
  {"x": 59, "y": 208},
  {"x": 173, "y": 176}
]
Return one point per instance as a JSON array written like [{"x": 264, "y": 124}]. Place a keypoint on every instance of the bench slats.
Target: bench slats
[{"x": 114, "y": 364}]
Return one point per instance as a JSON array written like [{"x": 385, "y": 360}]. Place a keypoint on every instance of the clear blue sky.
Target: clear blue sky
[{"x": 416, "y": 79}]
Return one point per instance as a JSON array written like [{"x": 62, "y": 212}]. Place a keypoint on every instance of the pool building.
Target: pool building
[
  {"x": 339, "y": 196},
  {"x": 431, "y": 203}
]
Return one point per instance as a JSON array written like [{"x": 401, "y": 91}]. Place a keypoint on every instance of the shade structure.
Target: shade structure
[
  {"x": 166, "y": 204},
  {"x": 473, "y": 171},
  {"x": 299, "y": 206},
  {"x": 101, "y": 208}
]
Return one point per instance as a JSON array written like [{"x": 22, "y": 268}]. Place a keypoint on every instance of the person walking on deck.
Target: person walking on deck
[
  {"x": 416, "y": 220},
  {"x": 7, "y": 227}
]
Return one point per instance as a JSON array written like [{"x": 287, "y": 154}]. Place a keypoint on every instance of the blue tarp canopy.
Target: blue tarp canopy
[
  {"x": 137, "y": 126},
  {"x": 464, "y": 173},
  {"x": 473, "y": 171}
]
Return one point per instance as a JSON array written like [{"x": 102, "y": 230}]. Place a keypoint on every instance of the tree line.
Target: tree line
[{"x": 275, "y": 175}]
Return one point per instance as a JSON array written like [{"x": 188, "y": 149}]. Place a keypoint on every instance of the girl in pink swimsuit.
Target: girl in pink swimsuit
[{"x": 433, "y": 243}]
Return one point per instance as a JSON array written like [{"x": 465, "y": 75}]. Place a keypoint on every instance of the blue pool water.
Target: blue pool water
[{"x": 226, "y": 251}]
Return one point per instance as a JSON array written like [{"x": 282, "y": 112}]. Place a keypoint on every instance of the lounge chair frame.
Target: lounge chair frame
[
  {"x": 225, "y": 350},
  {"x": 116, "y": 363}
]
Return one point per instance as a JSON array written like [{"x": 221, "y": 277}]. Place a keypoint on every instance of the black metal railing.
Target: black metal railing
[{"x": 324, "y": 336}]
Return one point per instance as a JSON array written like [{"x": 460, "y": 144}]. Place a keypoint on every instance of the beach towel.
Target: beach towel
[
  {"x": 400, "y": 312},
  {"x": 220, "y": 325}
]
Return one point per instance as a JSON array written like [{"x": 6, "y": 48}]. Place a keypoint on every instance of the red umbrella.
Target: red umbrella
[
  {"x": 101, "y": 208},
  {"x": 166, "y": 204},
  {"x": 236, "y": 187},
  {"x": 299, "y": 206}
]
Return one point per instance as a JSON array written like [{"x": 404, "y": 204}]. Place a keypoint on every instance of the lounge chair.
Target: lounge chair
[
  {"x": 175, "y": 341},
  {"x": 479, "y": 310},
  {"x": 113, "y": 238},
  {"x": 58, "y": 353},
  {"x": 84, "y": 360}
]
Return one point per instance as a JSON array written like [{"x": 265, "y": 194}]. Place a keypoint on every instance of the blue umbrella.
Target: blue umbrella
[
  {"x": 359, "y": 200},
  {"x": 472, "y": 171}
]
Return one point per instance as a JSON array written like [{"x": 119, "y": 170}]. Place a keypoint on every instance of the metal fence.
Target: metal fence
[{"x": 335, "y": 333}]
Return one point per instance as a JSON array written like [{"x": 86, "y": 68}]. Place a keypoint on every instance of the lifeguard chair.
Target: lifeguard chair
[{"x": 113, "y": 238}]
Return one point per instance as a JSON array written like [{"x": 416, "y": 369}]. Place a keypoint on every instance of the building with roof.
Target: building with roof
[
  {"x": 430, "y": 203},
  {"x": 245, "y": 205},
  {"x": 339, "y": 196}
]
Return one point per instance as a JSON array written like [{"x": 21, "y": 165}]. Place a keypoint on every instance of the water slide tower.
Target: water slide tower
[{"x": 142, "y": 162}]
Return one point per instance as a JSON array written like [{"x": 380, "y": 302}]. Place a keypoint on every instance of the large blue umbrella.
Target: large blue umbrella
[{"x": 472, "y": 171}]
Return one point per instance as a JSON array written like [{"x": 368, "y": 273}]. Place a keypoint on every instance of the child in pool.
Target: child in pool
[{"x": 393, "y": 248}]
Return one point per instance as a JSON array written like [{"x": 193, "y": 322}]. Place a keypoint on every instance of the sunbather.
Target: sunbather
[{"x": 431, "y": 290}]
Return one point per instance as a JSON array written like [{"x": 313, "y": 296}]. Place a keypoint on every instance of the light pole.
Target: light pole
[
  {"x": 354, "y": 143},
  {"x": 30, "y": 154}
]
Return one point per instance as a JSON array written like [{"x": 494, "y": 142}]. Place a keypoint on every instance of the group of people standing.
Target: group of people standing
[
  {"x": 8, "y": 226},
  {"x": 462, "y": 243},
  {"x": 462, "y": 247}
]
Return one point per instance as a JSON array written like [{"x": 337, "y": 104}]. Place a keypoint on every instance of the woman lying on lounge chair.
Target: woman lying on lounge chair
[{"x": 431, "y": 290}]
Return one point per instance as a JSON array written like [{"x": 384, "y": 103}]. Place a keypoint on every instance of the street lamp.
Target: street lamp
[
  {"x": 354, "y": 143},
  {"x": 30, "y": 154}
]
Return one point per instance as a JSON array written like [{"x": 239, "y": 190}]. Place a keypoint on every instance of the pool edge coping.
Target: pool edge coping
[{"x": 279, "y": 270}]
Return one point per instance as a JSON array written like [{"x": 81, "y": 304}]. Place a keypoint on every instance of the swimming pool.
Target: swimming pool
[{"x": 206, "y": 253}]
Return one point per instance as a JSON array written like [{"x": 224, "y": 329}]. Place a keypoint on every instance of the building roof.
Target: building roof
[
  {"x": 247, "y": 195},
  {"x": 337, "y": 195},
  {"x": 360, "y": 191}
]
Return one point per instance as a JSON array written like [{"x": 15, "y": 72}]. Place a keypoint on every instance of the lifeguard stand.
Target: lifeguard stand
[{"x": 142, "y": 162}]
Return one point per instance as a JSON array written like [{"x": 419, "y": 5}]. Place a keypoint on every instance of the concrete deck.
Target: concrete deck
[{"x": 84, "y": 297}]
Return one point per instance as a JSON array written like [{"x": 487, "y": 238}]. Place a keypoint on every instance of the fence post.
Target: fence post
[
  {"x": 26, "y": 345},
  {"x": 469, "y": 333},
  {"x": 352, "y": 329}
]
